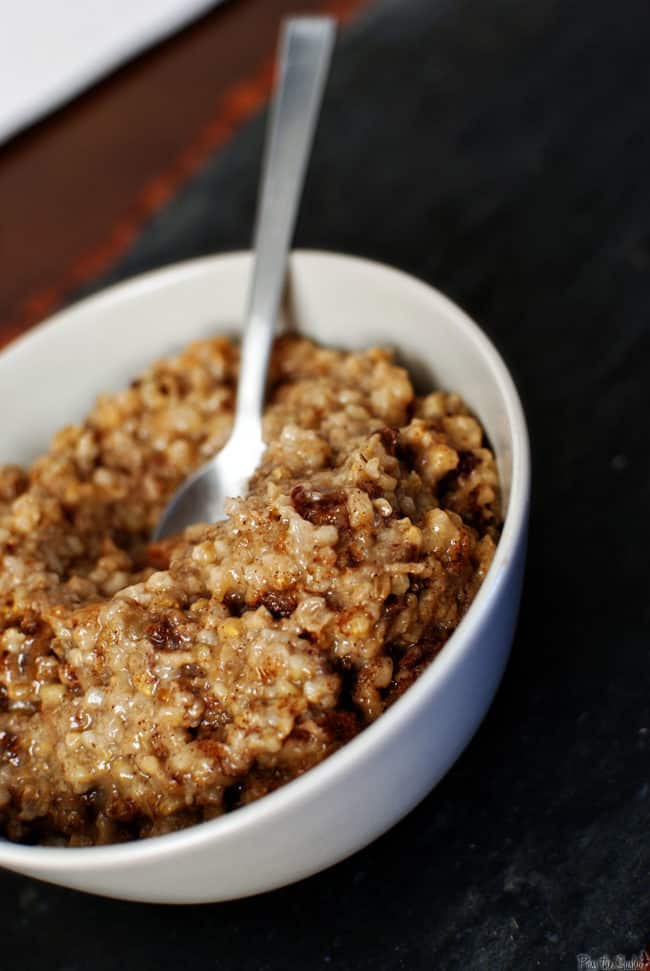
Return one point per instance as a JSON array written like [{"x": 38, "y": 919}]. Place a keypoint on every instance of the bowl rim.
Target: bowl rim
[{"x": 56, "y": 860}]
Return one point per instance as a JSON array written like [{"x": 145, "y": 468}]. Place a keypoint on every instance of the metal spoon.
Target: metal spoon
[{"x": 305, "y": 50}]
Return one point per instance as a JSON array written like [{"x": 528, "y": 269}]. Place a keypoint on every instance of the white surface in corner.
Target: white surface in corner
[{"x": 50, "y": 50}]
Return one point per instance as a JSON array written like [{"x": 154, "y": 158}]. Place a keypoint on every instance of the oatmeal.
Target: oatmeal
[{"x": 147, "y": 686}]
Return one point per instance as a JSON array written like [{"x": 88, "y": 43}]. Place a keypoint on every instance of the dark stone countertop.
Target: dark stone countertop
[{"x": 500, "y": 150}]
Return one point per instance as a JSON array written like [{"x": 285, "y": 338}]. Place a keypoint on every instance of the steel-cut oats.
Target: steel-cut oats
[{"x": 145, "y": 687}]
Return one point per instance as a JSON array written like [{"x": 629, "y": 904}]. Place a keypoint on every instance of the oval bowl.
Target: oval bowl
[{"x": 51, "y": 377}]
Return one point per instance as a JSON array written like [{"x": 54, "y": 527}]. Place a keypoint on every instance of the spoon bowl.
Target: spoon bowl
[
  {"x": 374, "y": 780},
  {"x": 202, "y": 496}
]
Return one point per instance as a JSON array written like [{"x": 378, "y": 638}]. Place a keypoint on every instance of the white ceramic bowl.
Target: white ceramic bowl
[{"x": 50, "y": 378}]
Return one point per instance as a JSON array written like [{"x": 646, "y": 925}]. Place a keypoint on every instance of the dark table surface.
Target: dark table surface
[{"x": 500, "y": 150}]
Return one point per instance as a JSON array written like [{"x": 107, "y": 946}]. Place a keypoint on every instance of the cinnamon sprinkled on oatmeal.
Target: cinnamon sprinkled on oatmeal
[{"x": 145, "y": 687}]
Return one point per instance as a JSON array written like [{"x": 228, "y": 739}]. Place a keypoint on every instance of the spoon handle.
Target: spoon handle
[{"x": 305, "y": 51}]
